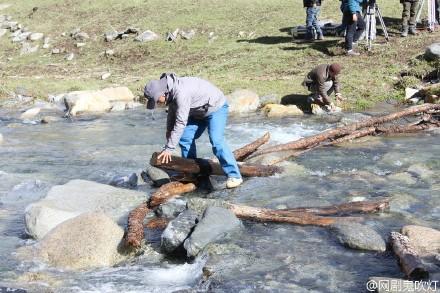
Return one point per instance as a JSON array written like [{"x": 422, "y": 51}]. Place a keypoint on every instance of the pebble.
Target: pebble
[{"x": 105, "y": 75}]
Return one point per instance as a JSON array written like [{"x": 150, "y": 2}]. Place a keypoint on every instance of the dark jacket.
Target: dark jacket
[
  {"x": 352, "y": 6},
  {"x": 318, "y": 76},
  {"x": 310, "y": 3},
  {"x": 188, "y": 97}
]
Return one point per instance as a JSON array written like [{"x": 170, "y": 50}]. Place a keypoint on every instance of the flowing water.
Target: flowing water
[{"x": 266, "y": 257}]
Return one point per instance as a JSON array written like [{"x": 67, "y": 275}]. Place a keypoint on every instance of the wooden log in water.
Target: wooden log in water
[
  {"x": 409, "y": 260},
  {"x": 168, "y": 191},
  {"x": 135, "y": 227},
  {"x": 333, "y": 134},
  {"x": 208, "y": 167},
  {"x": 157, "y": 223},
  {"x": 242, "y": 153}
]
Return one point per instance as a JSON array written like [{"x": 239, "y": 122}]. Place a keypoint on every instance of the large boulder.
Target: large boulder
[
  {"x": 96, "y": 101},
  {"x": 278, "y": 111},
  {"x": 147, "y": 36},
  {"x": 358, "y": 236},
  {"x": 171, "y": 209},
  {"x": 432, "y": 52},
  {"x": 87, "y": 241},
  {"x": 215, "y": 223},
  {"x": 243, "y": 101},
  {"x": 178, "y": 230},
  {"x": 76, "y": 197},
  {"x": 425, "y": 240},
  {"x": 30, "y": 114}
]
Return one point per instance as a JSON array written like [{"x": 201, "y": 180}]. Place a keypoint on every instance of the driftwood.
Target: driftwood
[
  {"x": 409, "y": 260},
  {"x": 339, "y": 132},
  {"x": 242, "y": 153},
  {"x": 157, "y": 223},
  {"x": 169, "y": 190},
  {"x": 209, "y": 167},
  {"x": 135, "y": 227}
]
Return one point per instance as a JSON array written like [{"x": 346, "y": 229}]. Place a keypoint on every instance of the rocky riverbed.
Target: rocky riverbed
[{"x": 55, "y": 186}]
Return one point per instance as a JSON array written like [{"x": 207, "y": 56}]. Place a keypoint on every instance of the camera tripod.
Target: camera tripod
[
  {"x": 431, "y": 14},
  {"x": 372, "y": 12}
]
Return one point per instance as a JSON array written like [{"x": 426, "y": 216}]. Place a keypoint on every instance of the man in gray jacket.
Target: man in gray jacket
[{"x": 193, "y": 104}]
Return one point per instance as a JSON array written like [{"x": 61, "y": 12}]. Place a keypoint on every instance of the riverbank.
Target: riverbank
[{"x": 244, "y": 44}]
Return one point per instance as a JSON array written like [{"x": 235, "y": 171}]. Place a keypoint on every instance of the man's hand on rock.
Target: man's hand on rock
[
  {"x": 165, "y": 157},
  {"x": 339, "y": 97}
]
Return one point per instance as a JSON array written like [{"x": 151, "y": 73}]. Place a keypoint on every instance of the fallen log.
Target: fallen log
[
  {"x": 409, "y": 260},
  {"x": 169, "y": 190},
  {"x": 367, "y": 206},
  {"x": 157, "y": 223},
  {"x": 209, "y": 167},
  {"x": 135, "y": 226},
  {"x": 333, "y": 134},
  {"x": 242, "y": 153}
]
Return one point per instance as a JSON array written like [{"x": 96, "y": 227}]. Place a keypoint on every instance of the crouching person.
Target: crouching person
[
  {"x": 194, "y": 105},
  {"x": 322, "y": 81}
]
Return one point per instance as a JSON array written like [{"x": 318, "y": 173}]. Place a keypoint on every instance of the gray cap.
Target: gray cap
[{"x": 154, "y": 90}]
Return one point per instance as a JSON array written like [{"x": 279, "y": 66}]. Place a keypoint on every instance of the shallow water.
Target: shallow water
[{"x": 266, "y": 257}]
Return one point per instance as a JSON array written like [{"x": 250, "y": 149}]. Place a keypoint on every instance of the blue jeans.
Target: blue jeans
[
  {"x": 216, "y": 123},
  {"x": 312, "y": 22}
]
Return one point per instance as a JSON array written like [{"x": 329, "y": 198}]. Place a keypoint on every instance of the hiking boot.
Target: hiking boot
[
  {"x": 352, "y": 53},
  {"x": 412, "y": 30},
  {"x": 404, "y": 32},
  {"x": 320, "y": 37},
  {"x": 233, "y": 182}
]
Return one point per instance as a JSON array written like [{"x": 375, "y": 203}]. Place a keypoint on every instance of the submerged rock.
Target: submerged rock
[
  {"x": 215, "y": 223},
  {"x": 199, "y": 205},
  {"x": 243, "y": 101},
  {"x": 30, "y": 114},
  {"x": 125, "y": 181},
  {"x": 171, "y": 208},
  {"x": 87, "y": 241},
  {"x": 422, "y": 171},
  {"x": 403, "y": 178},
  {"x": 178, "y": 230},
  {"x": 76, "y": 197},
  {"x": 426, "y": 241},
  {"x": 358, "y": 236}
]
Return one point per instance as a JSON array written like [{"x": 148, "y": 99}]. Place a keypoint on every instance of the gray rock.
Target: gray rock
[
  {"x": 147, "y": 36},
  {"x": 199, "y": 205},
  {"x": 56, "y": 51},
  {"x": 432, "y": 52},
  {"x": 11, "y": 290},
  {"x": 125, "y": 181},
  {"x": 357, "y": 236},
  {"x": 69, "y": 57},
  {"x": 215, "y": 223},
  {"x": 9, "y": 25},
  {"x": 78, "y": 35},
  {"x": 21, "y": 37},
  {"x": 105, "y": 76},
  {"x": 36, "y": 36},
  {"x": 118, "y": 107},
  {"x": 110, "y": 36},
  {"x": 109, "y": 52},
  {"x": 269, "y": 99},
  {"x": 178, "y": 230},
  {"x": 3, "y": 32},
  {"x": 171, "y": 209},
  {"x": 188, "y": 35},
  {"x": 158, "y": 176},
  {"x": 28, "y": 49}
]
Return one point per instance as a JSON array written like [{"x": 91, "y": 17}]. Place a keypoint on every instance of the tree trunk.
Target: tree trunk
[
  {"x": 409, "y": 260},
  {"x": 208, "y": 167},
  {"x": 169, "y": 190},
  {"x": 346, "y": 130},
  {"x": 242, "y": 153},
  {"x": 135, "y": 227}
]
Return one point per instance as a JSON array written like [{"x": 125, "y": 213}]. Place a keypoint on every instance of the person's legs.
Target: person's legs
[
  {"x": 309, "y": 23},
  {"x": 437, "y": 11},
  {"x": 316, "y": 23},
  {"x": 405, "y": 17},
  {"x": 360, "y": 27},
  {"x": 351, "y": 28},
  {"x": 412, "y": 17},
  {"x": 187, "y": 143},
  {"x": 216, "y": 130}
]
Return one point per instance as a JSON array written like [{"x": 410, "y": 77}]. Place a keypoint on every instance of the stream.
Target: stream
[{"x": 265, "y": 257}]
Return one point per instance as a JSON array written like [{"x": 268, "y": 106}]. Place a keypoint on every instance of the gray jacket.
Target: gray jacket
[{"x": 188, "y": 97}]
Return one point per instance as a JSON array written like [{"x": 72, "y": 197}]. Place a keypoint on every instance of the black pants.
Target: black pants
[{"x": 354, "y": 29}]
